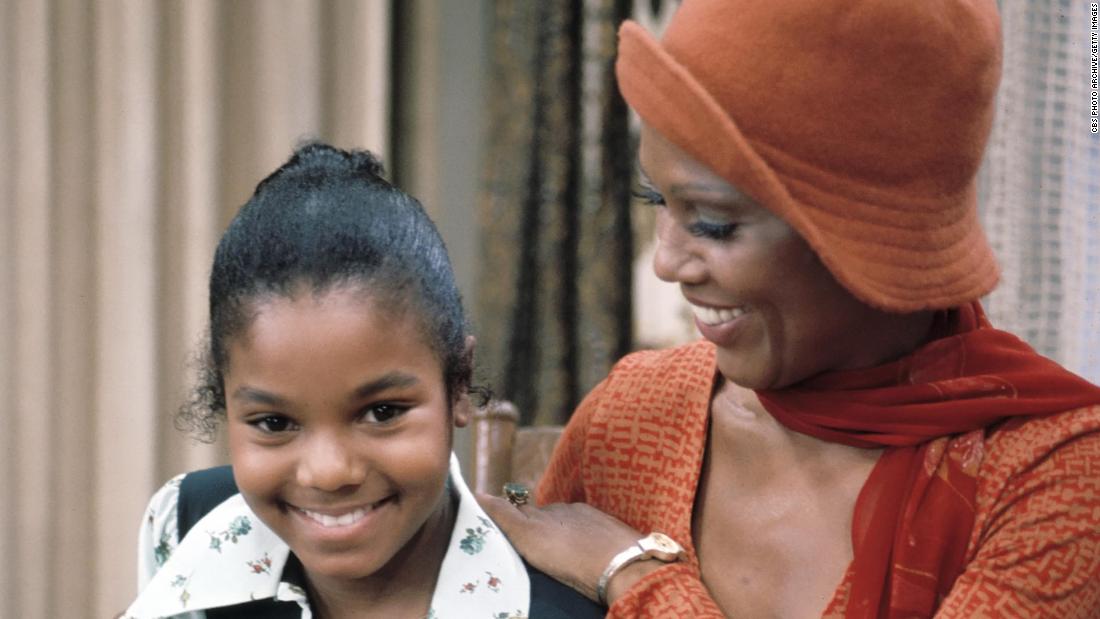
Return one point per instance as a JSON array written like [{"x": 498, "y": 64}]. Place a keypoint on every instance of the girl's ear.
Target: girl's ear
[
  {"x": 468, "y": 349},
  {"x": 463, "y": 411},
  {"x": 464, "y": 407}
]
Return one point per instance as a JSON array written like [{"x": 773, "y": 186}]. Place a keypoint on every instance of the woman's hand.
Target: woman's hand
[{"x": 571, "y": 542}]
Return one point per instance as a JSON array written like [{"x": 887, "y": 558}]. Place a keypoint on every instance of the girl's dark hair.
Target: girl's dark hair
[{"x": 327, "y": 218}]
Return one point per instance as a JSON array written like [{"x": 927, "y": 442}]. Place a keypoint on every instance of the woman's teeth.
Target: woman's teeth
[
  {"x": 712, "y": 316},
  {"x": 343, "y": 520}
]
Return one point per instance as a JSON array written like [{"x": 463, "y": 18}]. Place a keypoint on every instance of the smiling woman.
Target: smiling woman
[
  {"x": 339, "y": 363},
  {"x": 852, "y": 437},
  {"x": 758, "y": 290}
]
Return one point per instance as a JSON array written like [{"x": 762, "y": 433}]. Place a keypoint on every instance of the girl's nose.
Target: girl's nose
[
  {"x": 674, "y": 260},
  {"x": 329, "y": 463}
]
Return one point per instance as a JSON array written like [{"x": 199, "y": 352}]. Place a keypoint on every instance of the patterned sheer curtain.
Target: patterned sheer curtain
[
  {"x": 1040, "y": 185},
  {"x": 129, "y": 132},
  {"x": 554, "y": 294}
]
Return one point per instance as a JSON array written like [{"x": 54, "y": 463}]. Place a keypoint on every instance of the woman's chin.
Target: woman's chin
[{"x": 745, "y": 371}]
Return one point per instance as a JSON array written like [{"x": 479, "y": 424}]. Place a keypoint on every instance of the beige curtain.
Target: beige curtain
[{"x": 129, "y": 133}]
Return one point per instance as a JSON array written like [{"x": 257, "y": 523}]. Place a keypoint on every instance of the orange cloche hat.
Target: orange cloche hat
[{"x": 860, "y": 122}]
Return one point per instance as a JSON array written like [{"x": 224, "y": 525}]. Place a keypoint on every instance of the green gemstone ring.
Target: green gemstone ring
[{"x": 517, "y": 494}]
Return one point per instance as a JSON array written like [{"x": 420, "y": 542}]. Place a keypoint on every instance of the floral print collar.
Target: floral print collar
[{"x": 230, "y": 557}]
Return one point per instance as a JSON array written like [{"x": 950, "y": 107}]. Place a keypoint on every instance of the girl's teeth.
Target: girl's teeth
[
  {"x": 336, "y": 521},
  {"x": 712, "y": 316}
]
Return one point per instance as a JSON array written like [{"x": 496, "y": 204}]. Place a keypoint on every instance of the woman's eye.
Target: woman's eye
[
  {"x": 706, "y": 223},
  {"x": 272, "y": 424},
  {"x": 648, "y": 195},
  {"x": 383, "y": 413},
  {"x": 712, "y": 230}
]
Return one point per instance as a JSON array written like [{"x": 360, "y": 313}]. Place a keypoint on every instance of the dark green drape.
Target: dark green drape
[{"x": 554, "y": 292}]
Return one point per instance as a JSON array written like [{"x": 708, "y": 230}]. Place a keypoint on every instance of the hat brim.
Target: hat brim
[{"x": 883, "y": 252}]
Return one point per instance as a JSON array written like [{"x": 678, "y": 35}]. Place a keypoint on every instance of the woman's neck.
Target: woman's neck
[
  {"x": 401, "y": 588},
  {"x": 888, "y": 337}
]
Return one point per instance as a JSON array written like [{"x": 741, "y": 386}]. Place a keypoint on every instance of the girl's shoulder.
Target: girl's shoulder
[
  {"x": 160, "y": 526},
  {"x": 550, "y": 599},
  {"x": 200, "y": 492},
  {"x": 181, "y": 502},
  {"x": 201, "y": 549}
]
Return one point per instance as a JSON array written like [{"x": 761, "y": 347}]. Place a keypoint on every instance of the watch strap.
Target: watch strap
[{"x": 653, "y": 546}]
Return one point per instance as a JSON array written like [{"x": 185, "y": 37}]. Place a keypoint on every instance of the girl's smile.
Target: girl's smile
[
  {"x": 340, "y": 432},
  {"x": 341, "y": 526},
  {"x": 334, "y": 518}
]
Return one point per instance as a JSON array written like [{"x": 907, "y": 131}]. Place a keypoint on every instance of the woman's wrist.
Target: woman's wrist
[
  {"x": 625, "y": 579},
  {"x": 655, "y": 547}
]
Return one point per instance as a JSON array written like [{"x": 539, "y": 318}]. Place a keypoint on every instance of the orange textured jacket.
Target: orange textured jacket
[{"x": 634, "y": 449}]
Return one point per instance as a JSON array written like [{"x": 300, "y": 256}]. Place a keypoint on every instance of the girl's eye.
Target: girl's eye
[
  {"x": 383, "y": 413},
  {"x": 648, "y": 195},
  {"x": 273, "y": 424}
]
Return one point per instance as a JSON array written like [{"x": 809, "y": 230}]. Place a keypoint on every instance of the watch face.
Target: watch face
[
  {"x": 661, "y": 547},
  {"x": 664, "y": 543}
]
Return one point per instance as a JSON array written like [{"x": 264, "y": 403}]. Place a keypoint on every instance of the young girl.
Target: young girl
[{"x": 339, "y": 363}]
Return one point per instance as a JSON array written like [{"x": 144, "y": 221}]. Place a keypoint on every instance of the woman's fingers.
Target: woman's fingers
[
  {"x": 571, "y": 542},
  {"x": 508, "y": 516}
]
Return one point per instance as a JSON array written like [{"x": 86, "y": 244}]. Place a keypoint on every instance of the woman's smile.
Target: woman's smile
[
  {"x": 719, "y": 325},
  {"x": 758, "y": 292},
  {"x": 714, "y": 316}
]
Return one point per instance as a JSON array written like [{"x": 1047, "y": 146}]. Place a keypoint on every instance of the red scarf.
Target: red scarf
[{"x": 916, "y": 510}]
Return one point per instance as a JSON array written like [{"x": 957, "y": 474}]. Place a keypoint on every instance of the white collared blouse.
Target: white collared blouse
[{"x": 230, "y": 557}]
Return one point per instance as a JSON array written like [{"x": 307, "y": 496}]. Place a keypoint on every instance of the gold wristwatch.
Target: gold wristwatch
[{"x": 653, "y": 546}]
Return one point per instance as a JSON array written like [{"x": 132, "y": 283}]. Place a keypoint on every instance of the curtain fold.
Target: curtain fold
[
  {"x": 554, "y": 291},
  {"x": 1039, "y": 193},
  {"x": 130, "y": 132}
]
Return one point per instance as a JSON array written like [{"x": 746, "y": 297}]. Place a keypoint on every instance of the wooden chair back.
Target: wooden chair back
[{"x": 504, "y": 452}]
